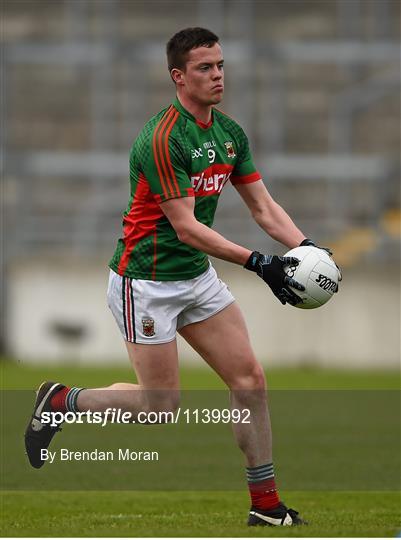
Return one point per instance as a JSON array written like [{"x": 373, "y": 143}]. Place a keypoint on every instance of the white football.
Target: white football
[{"x": 317, "y": 272}]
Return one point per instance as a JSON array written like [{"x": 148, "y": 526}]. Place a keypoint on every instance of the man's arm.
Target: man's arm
[
  {"x": 269, "y": 215},
  {"x": 180, "y": 213}
]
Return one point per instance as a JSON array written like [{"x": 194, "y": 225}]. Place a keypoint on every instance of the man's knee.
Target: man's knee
[{"x": 252, "y": 377}]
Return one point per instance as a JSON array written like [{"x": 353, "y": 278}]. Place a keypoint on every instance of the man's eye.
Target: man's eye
[
  {"x": 204, "y": 68},
  {"x": 221, "y": 66}
]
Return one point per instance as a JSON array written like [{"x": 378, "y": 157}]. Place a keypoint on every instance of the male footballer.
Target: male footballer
[{"x": 162, "y": 282}]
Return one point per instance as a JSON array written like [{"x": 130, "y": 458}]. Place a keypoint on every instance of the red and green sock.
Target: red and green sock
[
  {"x": 65, "y": 399},
  {"x": 262, "y": 487}
]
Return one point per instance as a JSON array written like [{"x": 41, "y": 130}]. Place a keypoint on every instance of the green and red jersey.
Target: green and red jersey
[{"x": 176, "y": 155}]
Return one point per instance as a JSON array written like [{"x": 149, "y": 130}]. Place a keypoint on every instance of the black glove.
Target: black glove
[
  {"x": 308, "y": 242},
  {"x": 271, "y": 269}
]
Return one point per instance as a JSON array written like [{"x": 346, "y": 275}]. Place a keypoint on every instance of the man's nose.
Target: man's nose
[{"x": 216, "y": 73}]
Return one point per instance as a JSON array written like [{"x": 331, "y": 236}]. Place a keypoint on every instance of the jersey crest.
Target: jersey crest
[{"x": 230, "y": 149}]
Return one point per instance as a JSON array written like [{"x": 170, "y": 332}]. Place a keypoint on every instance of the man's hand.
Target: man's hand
[
  {"x": 271, "y": 269},
  {"x": 308, "y": 242}
]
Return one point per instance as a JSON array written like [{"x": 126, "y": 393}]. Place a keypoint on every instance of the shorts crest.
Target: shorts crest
[{"x": 148, "y": 327}]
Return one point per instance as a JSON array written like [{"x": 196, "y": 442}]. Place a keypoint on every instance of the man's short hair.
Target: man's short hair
[{"x": 183, "y": 41}]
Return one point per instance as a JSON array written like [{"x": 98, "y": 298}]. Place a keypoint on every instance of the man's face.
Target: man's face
[{"x": 203, "y": 78}]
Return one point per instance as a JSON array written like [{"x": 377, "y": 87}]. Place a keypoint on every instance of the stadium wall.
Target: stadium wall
[{"x": 58, "y": 313}]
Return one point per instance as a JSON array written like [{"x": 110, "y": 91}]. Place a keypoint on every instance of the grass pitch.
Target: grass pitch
[
  {"x": 191, "y": 514},
  {"x": 194, "y": 513}
]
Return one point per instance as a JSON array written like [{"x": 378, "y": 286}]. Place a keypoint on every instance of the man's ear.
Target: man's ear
[{"x": 177, "y": 76}]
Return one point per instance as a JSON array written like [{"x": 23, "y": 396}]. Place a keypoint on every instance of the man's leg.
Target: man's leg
[
  {"x": 156, "y": 367},
  {"x": 223, "y": 341}
]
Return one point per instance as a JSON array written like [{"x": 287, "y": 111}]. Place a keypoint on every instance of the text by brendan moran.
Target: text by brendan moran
[{"x": 122, "y": 454}]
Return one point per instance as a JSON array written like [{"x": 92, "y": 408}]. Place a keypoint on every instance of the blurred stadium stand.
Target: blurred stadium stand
[{"x": 316, "y": 85}]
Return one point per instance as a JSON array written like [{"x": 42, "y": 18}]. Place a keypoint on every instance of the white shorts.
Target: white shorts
[{"x": 152, "y": 311}]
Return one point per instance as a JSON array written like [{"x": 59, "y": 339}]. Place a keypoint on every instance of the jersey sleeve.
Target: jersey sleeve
[
  {"x": 244, "y": 171},
  {"x": 164, "y": 168}
]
